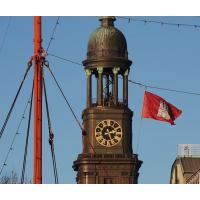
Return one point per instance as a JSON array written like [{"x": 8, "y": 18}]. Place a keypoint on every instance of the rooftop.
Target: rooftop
[{"x": 188, "y": 150}]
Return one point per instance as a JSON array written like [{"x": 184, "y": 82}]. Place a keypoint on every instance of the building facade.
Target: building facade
[
  {"x": 186, "y": 167},
  {"x": 107, "y": 155}
]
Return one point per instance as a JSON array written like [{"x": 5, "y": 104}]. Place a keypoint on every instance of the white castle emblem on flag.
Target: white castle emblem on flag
[{"x": 163, "y": 111}]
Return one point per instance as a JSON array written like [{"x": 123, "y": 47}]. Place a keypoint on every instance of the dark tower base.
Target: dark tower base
[{"x": 107, "y": 168}]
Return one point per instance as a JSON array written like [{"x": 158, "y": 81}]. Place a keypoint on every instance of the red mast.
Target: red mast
[{"x": 37, "y": 179}]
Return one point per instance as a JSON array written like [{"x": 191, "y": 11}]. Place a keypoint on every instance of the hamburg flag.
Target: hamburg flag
[{"x": 157, "y": 108}]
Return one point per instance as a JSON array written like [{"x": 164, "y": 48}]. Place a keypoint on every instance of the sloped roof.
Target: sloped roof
[
  {"x": 194, "y": 178},
  {"x": 190, "y": 164}
]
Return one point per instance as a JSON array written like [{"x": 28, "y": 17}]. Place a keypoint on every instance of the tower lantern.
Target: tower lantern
[{"x": 107, "y": 155}]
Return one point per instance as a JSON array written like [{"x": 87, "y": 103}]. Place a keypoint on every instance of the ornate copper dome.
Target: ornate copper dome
[{"x": 106, "y": 44}]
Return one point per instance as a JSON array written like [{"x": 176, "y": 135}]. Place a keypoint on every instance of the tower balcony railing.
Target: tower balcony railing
[
  {"x": 189, "y": 150},
  {"x": 108, "y": 102}
]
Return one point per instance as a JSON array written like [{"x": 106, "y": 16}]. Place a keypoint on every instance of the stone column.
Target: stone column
[
  {"x": 115, "y": 85},
  {"x": 100, "y": 86},
  {"x": 89, "y": 87},
  {"x": 125, "y": 87}
]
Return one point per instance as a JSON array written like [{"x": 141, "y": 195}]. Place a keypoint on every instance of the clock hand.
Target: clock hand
[
  {"x": 106, "y": 133},
  {"x": 109, "y": 136},
  {"x": 113, "y": 132}
]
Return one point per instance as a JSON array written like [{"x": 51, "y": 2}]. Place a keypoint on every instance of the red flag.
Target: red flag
[{"x": 157, "y": 108}]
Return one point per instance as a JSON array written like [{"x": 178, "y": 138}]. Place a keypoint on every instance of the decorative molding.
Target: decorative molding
[
  {"x": 126, "y": 72},
  {"x": 88, "y": 72},
  {"x": 115, "y": 70},
  {"x": 100, "y": 70}
]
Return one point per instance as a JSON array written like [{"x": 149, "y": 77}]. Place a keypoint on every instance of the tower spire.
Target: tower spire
[{"x": 107, "y": 21}]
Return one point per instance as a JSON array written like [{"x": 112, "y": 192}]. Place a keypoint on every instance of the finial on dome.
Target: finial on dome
[{"x": 107, "y": 21}]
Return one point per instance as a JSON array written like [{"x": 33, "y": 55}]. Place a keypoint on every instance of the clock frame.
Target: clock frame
[{"x": 108, "y": 133}]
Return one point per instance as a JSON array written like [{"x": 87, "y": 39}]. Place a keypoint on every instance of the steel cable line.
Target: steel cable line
[
  {"x": 65, "y": 59},
  {"x": 159, "y": 22},
  {"x": 60, "y": 89},
  {"x": 27, "y": 137},
  {"x": 14, "y": 101},
  {"x": 5, "y": 34},
  {"x": 166, "y": 89},
  {"x": 53, "y": 33},
  {"x": 51, "y": 134},
  {"x": 68, "y": 104},
  {"x": 16, "y": 133},
  {"x": 134, "y": 82}
]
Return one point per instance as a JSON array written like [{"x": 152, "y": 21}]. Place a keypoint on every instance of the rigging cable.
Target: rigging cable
[
  {"x": 166, "y": 89},
  {"x": 134, "y": 82},
  {"x": 51, "y": 134},
  {"x": 5, "y": 34},
  {"x": 53, "y": 32},
  {"x": 27, "y": 137},
  {"x": 67, "y": 102},
  {"x": 137, "y": 83},
  {"x": 65, "y": 59},
  {"x": 46, "y": 63},
  {"x": 16, "y": 134},
  {"x": 13, "y": 104},
  {"x": 159, "y": 22}
]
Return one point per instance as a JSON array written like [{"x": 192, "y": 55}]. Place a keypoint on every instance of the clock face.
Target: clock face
[{"x": 108, "y": 133}]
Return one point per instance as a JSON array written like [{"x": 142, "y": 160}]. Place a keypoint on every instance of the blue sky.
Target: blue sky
[{"x": 165, "y": 56}]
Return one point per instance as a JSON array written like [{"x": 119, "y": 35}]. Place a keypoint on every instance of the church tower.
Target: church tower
[{"x": 107, "y": 155}]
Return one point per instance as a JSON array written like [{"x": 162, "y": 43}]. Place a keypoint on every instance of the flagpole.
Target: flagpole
[
  {"x": 140, "y": 128},
  {"x": 139, "y": 136}
]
